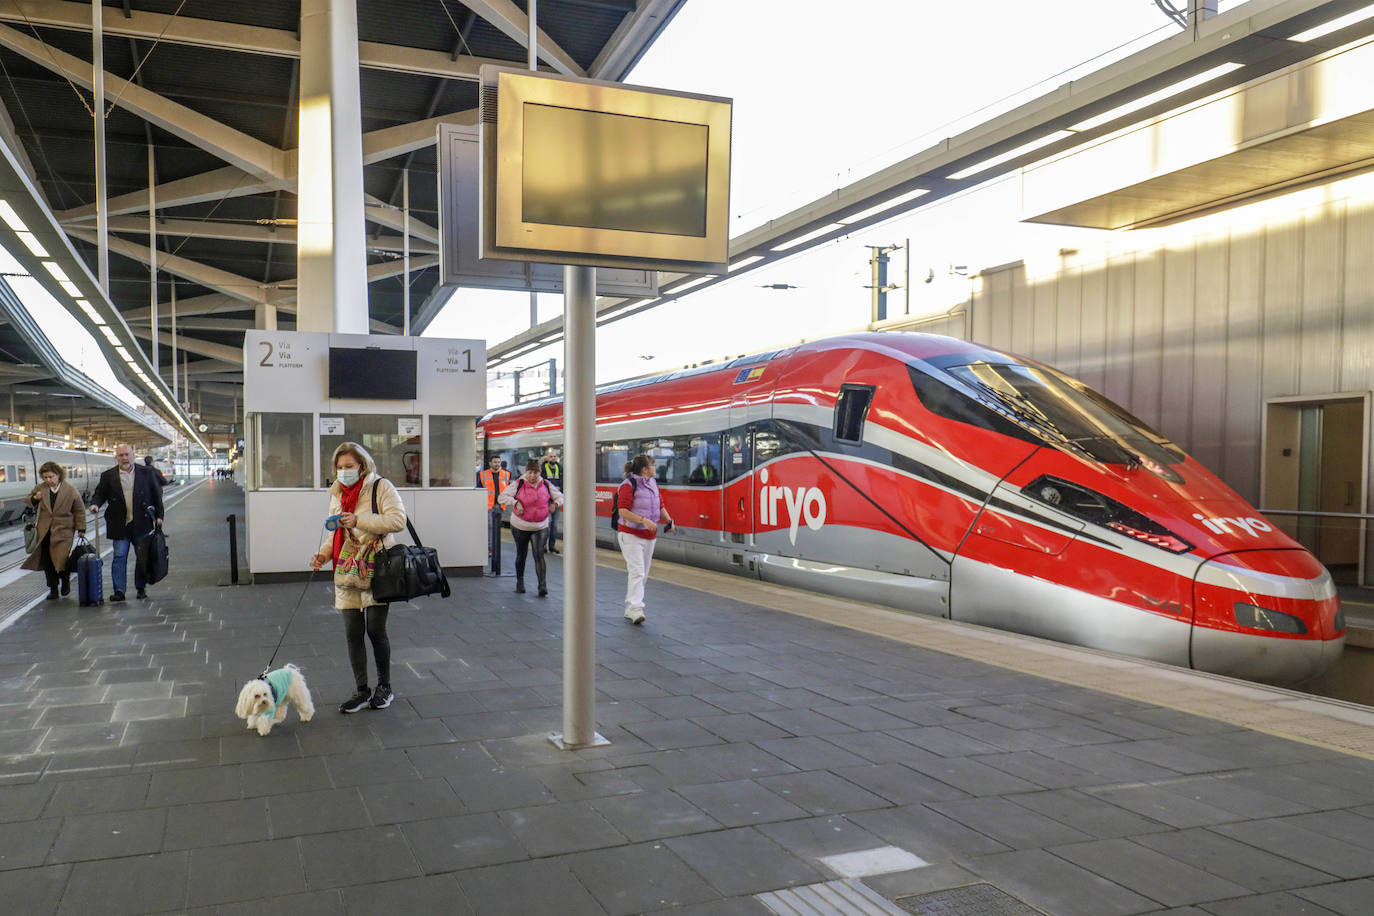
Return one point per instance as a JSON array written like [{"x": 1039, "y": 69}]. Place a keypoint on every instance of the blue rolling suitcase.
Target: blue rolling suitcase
[{"x": 90, "y": 576}]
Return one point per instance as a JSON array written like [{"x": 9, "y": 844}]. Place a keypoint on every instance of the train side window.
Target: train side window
[
  {"x": 23, "y": 472},
  {"x": 703, "y": 459},
  {"x": 6, "y": 472},
  {"x": 611, "y": 458},
  {"x": 739, "y": 453},
  {"x": 851, "y": 409}
]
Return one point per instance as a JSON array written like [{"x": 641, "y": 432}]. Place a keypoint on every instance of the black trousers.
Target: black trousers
[
  {"x": 524, "y": 540},
  {"x": 372, "y": 621},
  {"x": 494, "y": 538},
  {"x": 51, "y": 573}
]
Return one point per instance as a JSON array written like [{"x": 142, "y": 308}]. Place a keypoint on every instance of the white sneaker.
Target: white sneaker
[{"x": 635, "y": 616}]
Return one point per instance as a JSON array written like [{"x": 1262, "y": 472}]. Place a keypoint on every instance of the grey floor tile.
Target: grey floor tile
[
  {"x": 450, "y": 844},
  {"x": 1045, "y": 772},
  {"x": 740, "y": 727},
  {"x": 811, "y": 753},
  {"x": 431, "y": 894},
  {"x": 737, "y": 803},
  {"x": 36, "y": 891},
  {"x": 293, "y": 814},
  {"x": 27, "y": 845},
  {"x": 275, "y": 777},
  {"x": 94, "y": 795},
  {"x": 546, "y": 887},
  {"x": 1159, "y": 804},
  {"x": 226, "y": 874},
  {"x": 551, "y": 830},
  {"x": 662, "y": 879},
  {"x": 1286, "y": 839},
  {"x": 1056, "y": 886},
  {"x": 398, "y": 802},
  {"x": 654, "y": 815},
  {"x": 734, "y": 761},
  {"x": 131, "y": 884},
  {"x": 926, "y": 833},
  {"x": 743, "y": 861},
  {"x": 356, "y": 857},
  {"x": 815, "y": 837},
  {"x": 499, "y": 788},
  {"x": 1008, "y": 823},
  {"x": 1087, "y": 813},
  {"x": 1279, "y": 903},
  {"x": 822, "y": 792},
  {"x": 1149, "y": 873},
  {"x": 216, "y": 824},
  {"x": 1254, "y": 869},
  {"x": 676, "y": 733},
  {"x": 104, "y": 836},
  {"x": 1222, "y": 791},
  {"x": 1351, "y": 898}
]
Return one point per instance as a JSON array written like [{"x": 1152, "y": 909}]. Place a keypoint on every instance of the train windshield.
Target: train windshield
[{"x": 1069, "y": 414}]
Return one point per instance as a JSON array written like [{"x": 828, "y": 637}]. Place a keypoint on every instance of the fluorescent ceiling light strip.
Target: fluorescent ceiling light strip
[
  {"x": 745, "y": 262},
  {"x": 11, "y": 218},
  {"x": 69, "y": 288},
  {"x": 56, "y": 270},
  {"x": 1009, "y": 155},
  {"x": 814, "y": 234},
  {"x": 885, "y": 205},
  {"x": 1158, "y": 96},
  {"x": 1335, "y": 25},
  {"x": 31, "y": 242}
]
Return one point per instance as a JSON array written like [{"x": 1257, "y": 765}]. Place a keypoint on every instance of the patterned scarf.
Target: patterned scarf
[{"x": 348, "y": 502}]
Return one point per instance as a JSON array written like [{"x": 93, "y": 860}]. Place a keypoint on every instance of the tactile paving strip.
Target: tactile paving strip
[
  {"x": 833, "y": 898},
  {"x": 970, "y": 900}
]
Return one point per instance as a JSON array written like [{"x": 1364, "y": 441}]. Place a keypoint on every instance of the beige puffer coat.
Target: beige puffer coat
[
  {"x": 62, "y": 521},
  {"x": 390, "y": 518}
]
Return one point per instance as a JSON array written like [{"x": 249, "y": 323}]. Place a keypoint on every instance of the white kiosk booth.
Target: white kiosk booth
[{"x": 412, "y": 402}]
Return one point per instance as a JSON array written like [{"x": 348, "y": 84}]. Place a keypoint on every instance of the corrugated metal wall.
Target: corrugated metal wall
[{"x": 1193, "y": 330}]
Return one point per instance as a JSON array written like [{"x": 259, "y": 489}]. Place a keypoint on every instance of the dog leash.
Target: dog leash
[{"x": 290, "y": 620}]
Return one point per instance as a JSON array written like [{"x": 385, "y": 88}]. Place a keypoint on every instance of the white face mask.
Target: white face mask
[{"x": 348, "y": 476}]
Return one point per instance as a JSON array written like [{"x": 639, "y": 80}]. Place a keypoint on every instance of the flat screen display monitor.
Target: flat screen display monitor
[
  {"x": 372, "y": 373},
  {"x": 591, "y": 172}
]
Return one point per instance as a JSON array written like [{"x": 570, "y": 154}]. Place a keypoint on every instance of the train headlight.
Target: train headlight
[
  {"x": 1091, "y": 506},
  {"x": 1261, "y": 618}
]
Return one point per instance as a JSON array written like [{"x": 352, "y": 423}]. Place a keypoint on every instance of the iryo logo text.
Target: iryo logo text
[{"x": 801, "y": 504}]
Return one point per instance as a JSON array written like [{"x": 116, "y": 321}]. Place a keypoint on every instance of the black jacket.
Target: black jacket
[{"x": 147, "y": 492}]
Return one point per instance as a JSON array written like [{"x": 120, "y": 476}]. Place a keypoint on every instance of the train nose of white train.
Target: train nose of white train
[{"x": 1266, "y": 615}]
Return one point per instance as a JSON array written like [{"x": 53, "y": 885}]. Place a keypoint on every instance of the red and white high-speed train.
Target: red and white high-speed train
[{"x": 943, "y": 477}]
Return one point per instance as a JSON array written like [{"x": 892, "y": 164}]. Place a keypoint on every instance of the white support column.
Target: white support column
[
  {"x": 102, "y": 215},
  {"x": 152, "y": 256},
  {"x": 175, "y": 396},
  {"x": 579, "y": 543},
  {"x": 330, "y": 255}
]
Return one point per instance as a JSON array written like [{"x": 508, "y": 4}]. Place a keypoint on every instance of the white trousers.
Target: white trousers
[{"x": 638, "y": 553}]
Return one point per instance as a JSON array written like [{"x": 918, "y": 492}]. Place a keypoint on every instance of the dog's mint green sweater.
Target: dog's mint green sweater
[{"x": 279, "y": 681}]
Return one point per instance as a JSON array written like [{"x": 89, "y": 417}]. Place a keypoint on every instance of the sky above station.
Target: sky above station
[{"x": 824, "y": 96}]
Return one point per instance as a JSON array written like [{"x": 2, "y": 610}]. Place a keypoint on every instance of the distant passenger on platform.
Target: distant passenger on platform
[
  {"x": 641, "y": 512},
  {"x": 131, "y": 490},
  {"x": 161, "y": 478},
  {"x": 551, "y": 469},
  {"x": 60, "y": 518},
  {"x": 494, "y": 479},
  {"x": 351, "y": 499},
  {"x": 532, "y": 501}
]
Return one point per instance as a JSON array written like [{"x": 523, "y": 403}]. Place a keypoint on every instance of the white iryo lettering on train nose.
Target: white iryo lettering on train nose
[
  {"x": 803, "y": 504},
  {"x": 1222, "y": 525}
]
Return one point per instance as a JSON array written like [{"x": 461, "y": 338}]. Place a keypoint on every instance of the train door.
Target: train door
[{"x": 737, "y": 510}]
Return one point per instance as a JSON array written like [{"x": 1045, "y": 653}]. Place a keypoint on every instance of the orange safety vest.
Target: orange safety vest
[{"x": 494, "y": 483}]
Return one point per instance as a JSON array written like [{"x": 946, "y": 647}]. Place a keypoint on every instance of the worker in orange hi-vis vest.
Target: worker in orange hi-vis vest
[{"x": 494, "y": 479}]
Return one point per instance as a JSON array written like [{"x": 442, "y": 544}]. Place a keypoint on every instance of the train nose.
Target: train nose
[{"x": 1266, "y": 615}]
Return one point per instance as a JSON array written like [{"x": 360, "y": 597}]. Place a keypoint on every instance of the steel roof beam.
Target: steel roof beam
[
  {"x": 248, "y": 39},
  {"x": 236, "y": 148},
  {"x": 231, "y": 284},
  {"x": 633, "y": 37},
  {"x": 247, "y": 232},
  {"x": 515, "y": 24},
  {"x": 221, "y": 352},
  {"x": 211, "y": 304}
]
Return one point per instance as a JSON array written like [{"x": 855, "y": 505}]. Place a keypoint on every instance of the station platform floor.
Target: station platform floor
[{"x": 772, "y": 752}]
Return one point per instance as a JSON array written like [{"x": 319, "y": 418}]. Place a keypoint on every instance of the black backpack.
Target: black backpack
[{"x": 615, "y": 502}]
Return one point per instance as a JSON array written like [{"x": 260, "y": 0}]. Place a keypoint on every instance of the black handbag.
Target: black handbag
[
  {"x": 406, "y": 571},
  {"x": 152, "y": 552},
  {"x": 80, "y": 550}
]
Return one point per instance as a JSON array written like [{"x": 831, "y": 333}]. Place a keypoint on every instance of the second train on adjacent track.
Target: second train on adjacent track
[{"x": 943, "y": 477}]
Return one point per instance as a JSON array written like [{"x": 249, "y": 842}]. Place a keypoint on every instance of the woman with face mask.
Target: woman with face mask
[
  {"x": 351, "y": 500},
  {"x": 61, "y": 516}
]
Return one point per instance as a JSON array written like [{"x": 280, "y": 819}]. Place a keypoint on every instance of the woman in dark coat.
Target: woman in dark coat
[{"x": 61, "y": 516}]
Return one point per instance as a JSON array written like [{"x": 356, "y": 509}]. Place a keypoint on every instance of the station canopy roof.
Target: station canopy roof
[{"x": 211, "y": 88}]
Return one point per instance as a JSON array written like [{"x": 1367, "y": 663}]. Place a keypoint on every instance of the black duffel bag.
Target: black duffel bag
[{"x": 406, "y": 571}]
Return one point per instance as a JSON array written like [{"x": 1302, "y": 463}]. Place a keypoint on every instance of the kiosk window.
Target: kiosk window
[
  {"x": 451, "y": 461},
  {"x": 394, "y": 443},
  {"x": 284, "y": 450},
  {"x": 851, "y": 408}
]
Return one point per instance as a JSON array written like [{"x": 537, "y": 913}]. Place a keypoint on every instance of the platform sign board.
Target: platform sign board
[
  {"x": 596, "y": 173},
  {"x": 460, "y": 169}
]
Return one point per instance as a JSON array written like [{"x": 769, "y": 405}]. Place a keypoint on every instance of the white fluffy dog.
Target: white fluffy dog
[{"x": 263, "y": 701}]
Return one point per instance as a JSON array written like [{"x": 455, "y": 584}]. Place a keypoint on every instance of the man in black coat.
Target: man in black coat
[{"x": 130, "y": 490}]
